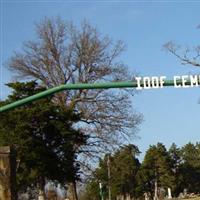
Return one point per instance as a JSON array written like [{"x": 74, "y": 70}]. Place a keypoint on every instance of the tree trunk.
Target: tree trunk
[
  {"x": 41, "y": 188},
  {"x": 72, "y": 192}
]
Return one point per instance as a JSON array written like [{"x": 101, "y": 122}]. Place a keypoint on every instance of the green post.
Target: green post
[{"x": 101, "y": 192}]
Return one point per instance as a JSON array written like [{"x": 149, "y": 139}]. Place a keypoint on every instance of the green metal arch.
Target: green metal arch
[{"x": 78, "y": 86}]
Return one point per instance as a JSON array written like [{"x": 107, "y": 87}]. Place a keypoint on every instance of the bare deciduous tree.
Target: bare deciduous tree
[
  {"x": 65, "y": 54},
  {"x": 187, "y": 56}
]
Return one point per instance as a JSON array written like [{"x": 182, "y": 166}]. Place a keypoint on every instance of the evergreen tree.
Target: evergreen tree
[
  {"x": 124, "y": 167},
  {"x": 191, "y": 167},
  {"x": 156, "y": 172},
  {"x": 44, "y": 138},
  {"x": 124, "y": 171},
  {"x": 176, "y": 166}
]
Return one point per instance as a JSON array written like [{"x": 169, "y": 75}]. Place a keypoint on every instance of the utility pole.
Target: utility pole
[{"x": 109, "y": 176}]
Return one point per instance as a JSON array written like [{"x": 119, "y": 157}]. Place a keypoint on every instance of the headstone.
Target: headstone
[
  {"x": 146, "y": 196},
  {"x": 181, "y": 196},
  {"x": 169, "y": 193},
  {"x": 41, "y": 195},
  {"x": 185, "y": 192}
]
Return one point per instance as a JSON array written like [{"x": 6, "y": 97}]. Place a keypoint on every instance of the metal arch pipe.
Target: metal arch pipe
[{"x": 77, "y": 86}]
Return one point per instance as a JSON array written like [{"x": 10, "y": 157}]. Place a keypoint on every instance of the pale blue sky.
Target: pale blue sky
[{"x": 171, "y": 115}]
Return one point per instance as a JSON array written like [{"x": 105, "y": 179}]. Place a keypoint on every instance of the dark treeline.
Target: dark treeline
[{"x": 175, "y": 168}]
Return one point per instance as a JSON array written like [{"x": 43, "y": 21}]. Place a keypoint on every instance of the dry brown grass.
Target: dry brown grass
[{"x": 194, "y": 198}]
